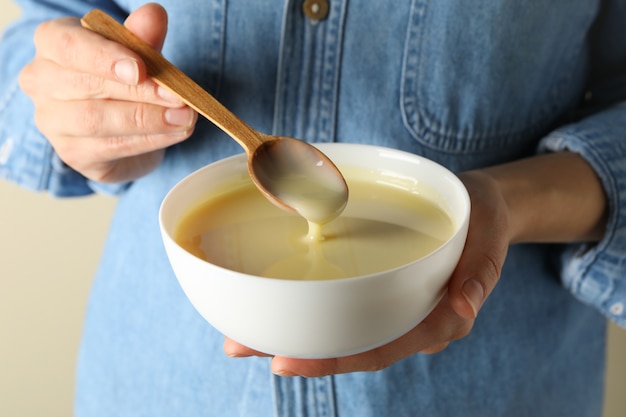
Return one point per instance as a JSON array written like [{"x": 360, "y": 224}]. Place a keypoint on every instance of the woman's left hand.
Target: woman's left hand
[
  {"x": 529, "y": 200},
  {"x": 475, "y": 276}
]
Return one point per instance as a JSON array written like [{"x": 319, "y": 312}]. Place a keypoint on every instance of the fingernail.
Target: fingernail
[
  {"x": 127, "y": 71},
  {"x": 474, "y": 294},
  {"x": 167, "y": 95},
  {"x": 283, "y": 372},
  {"x": 179, "y": 117}
]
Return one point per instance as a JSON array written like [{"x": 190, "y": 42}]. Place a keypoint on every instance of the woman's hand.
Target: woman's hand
[
  {"x": 95, "y": 103},
  {"x": 473, "y": 279}
]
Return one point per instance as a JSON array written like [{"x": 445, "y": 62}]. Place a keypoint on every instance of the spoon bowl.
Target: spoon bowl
[
  {"x": 300, "y": 177},
  {"x": 291, "y": 173}
]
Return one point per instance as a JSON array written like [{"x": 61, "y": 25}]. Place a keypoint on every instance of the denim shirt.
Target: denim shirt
[{"x": 467, "y": 84}]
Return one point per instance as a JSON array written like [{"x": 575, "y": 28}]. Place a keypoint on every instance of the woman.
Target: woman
[{"x": 525, "y": 101}]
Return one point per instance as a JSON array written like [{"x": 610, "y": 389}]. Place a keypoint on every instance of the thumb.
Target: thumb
[
  {"x": 475, "y": 277},
  {"x": 149, "y": 22},
  {"x": 478, "y": 270}
]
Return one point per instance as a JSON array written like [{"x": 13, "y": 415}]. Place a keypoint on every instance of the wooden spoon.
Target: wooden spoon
[{"x": 291, "y": 173}]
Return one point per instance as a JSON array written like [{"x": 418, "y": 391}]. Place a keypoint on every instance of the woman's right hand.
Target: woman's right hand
[{"x": 96, "y": 105}]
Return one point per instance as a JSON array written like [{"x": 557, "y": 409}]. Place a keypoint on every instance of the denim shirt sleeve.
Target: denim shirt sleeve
[
  {"x": 596, "y": 274},
  {"x": 26, "y": 157}
]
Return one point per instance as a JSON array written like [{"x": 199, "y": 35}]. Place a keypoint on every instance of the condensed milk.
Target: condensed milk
[{"x": 389, "y": 221}]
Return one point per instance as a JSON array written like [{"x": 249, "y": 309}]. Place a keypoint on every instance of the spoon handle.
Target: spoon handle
[{"x": 169, "y": 76}]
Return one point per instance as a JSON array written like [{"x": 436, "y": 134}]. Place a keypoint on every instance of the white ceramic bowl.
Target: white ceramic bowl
[{"x": 319, "y": 319}]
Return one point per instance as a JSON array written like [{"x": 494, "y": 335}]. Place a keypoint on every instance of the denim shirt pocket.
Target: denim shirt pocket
[{"x": 479, "y": 78}]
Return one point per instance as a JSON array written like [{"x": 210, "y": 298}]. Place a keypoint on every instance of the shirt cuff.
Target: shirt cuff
[{"x": 596, "y": 273}]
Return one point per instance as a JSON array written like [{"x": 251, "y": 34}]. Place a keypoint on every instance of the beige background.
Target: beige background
[{"x": 48, "y": 252}]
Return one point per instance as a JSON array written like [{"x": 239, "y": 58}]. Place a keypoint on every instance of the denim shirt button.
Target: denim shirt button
[
  {"x": 315, "y": 10},
  {"x": 617, "y": 309}
]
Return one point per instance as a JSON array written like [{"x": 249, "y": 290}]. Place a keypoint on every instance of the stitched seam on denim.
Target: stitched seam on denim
[
  {"x": 46, "y": 173},
  {"x": 283, "y": 79},
  {"x": 433, "y": 134},
  {"x": 308, "y": 75},
  {"x": 331, "y": 66},
  {"x": 408, "y": 77},
  {"x": 6, "y": 98},
  {"x": 217, "y": 44},
  {"x": 428, "y": 131},
  {"x": 324, "y": 394},
  {"x": 43, "y": 176}
]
